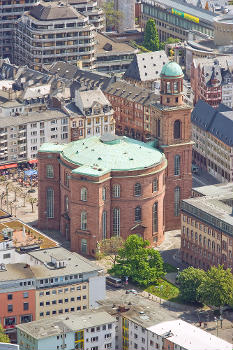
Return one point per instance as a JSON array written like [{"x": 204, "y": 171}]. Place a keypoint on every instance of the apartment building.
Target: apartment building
[
  {"x": 21, "y": 137},
  {"x": 65, "y": 282},
  {"x": 17, "y": 296},
  {"x": 211, "y": 80},
  {"x": 207, "y": 227},
  {"x": 10, "y": 12},
  {"x": 52, "y": 32},
  {"x": 45, "y": 283},
  {"x": 93, "y": 330},
  {"x": 211, "y": 132},
  {"x": 129, "y": 102},
  {"x": 97, "y": 114}
]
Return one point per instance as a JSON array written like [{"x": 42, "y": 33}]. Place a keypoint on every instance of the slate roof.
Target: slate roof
[
  {"x": 214, "y": 120},
  {"x": 131, "y": 92},
  {"x": 147, "y": 66},
  {"x": 87, "y": 80},
  {"x": 54, "y": 11}
]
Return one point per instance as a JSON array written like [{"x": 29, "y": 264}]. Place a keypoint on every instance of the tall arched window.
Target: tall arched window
[
  {"x": 84, "y": 246},
  {"x": 116, "y": 191},
  {"x": 104, "y": 191},
  {"x": 155, "y": 217},
  {"x": 155, "y": 185},
  {"x": 104, "y": 224},
  {"x": 177, "y": 164},
  {"x": 116, "y": 221},
  {"x": 177, "y": 201},
  {"x": 49, "y": 171},
  {"x": 138, "y": 213},
  {"x": 83, "y": 220},
  {"x": 137, "y": 189},
  {"x": 50, "y": 202},
  {"x": 66, "y": 204},
  {"x": 67, "y": 179},
  {"x": 83, "y": 194},
  {"x": 158, "y": 128},
  {"x": 177, "y": 133}
]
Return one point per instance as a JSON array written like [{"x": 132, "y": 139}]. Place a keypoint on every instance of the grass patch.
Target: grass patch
[
  {"x": 169, "y": 268},
  {"x": 166, "y": 290}
]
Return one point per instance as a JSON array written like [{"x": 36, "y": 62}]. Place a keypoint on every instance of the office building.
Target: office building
[
  {"x": 174, "y": 18},
  {"x": 52, "y": 32},
  {"x": 211, "y": 132},
  {"x": 207, "y": 227}
]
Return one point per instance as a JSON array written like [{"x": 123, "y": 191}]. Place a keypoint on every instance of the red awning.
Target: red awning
[
  {"x": 8, "y": 166},
  {"x": 32, "y": 161}
]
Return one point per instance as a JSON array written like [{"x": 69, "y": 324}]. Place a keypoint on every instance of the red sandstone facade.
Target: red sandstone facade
[{"x": 68, "y": 189}]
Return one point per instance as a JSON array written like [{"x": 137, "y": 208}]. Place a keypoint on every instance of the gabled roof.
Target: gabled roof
[
  {"x": 216, "y": 121},
  {"x": 147, "y": 66}
]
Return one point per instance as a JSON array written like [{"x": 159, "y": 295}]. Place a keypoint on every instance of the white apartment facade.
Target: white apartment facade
[
  {"x": 97, "y": 113},
  {"x": 21, "y": 137},
  {"x": 88, "y": 330}
]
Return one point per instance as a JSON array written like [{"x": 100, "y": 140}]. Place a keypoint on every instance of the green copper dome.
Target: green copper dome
[{"x": 171, "y": 69}]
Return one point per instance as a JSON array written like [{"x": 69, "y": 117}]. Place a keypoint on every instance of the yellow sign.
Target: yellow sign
[{"x": 185, "y": 15}]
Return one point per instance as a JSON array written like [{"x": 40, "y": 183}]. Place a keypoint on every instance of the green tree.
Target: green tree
[
  {"x": 113, "y": 17},
  {"x": 141, "y": 264},
  {"x": 189, "y": 280},
  {"x": 32, "y": 201},
  {"x": 169, "y": 40},
  {"x": 151, "y": 36},
  {"x": 3, "y": 337},
  {"x": 217, "y": 288},
  {"x": 110, "y": 247}
]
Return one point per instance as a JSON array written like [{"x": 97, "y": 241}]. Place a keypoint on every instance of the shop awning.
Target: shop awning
[
  {"x": 8, "y": 166},
  {"x": 33, "y": 161}
]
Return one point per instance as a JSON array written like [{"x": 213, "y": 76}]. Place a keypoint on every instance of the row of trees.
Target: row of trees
[
  {"x": 151, "y": 38},
  {"x": 18, "y": 193},
  {"x": 134, "y": 259},
  {"x": 213, "y": 287}
]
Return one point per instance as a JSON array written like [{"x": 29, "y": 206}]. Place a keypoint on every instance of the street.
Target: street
[{"x": 203, "y": 178}]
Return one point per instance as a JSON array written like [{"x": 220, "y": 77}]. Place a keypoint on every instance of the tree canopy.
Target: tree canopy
[
  {"x": 112, "y": 16},
  {"x": 169, "y": 40},
  {"x": 141, "y": 264},
  {"x": 151, "y": 36},
  {"x": 110, "y": 247},
  {"x": 189, "y": 280},
  {"x": 3, "y": 337},
  {"x": 216, "y": 289}
]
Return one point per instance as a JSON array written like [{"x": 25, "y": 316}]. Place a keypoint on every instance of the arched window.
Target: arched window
[
  {"x": 104, "y": 224},
  {"x": 104, "y": 191},
  {"x": 50, "y": 202},
  {"x": 177, "y": 164},
  {"x": 84, "y": 246},
  {"x": 155, "y": 217},
  {"x": 83, "y": 194},
  {"x": 66, "y": 180},
  {"x": 158, "y": 128},
  {"x": 116, "y": 221},
  {"x": 177, "y": 129},
  {"x": 175, "y": 86},
  {"x": 137, "y": 189},
  {"x": 83, "y": 220},
  {"x": 66, "y": 204},
  {"x": 116, "y": 191},
  {"x": 177, "y": 201},
  {"x": 213, "y": 246},
  {"x": 155, "y": 185},
  {"x": 200, "y": 239},
  {"x": 49, "y": 171},
  {"x": 168, "y": 87},
  {"x": 138, "y": 213}
]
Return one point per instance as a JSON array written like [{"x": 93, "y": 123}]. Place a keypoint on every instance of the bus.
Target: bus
[{"x": 114, "y": 281}]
